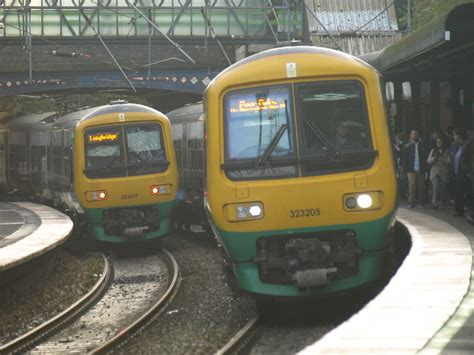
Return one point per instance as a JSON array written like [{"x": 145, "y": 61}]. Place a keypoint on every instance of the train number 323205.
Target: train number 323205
[{"x": 305, "y": 212}]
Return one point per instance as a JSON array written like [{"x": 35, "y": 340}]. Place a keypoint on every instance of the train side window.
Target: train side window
[
  {"x": 17, "y": 165},
  {"x": 38, "y": 144}
]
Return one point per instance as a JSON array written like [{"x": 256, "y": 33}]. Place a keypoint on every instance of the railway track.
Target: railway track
[
  {"x": 156, "y": 309},
  {"x": 242, "y": 341},
  {"x": 140, "y": 288},
  {"x": 28, "y": 340},
  {"x": 289, "y": 327}
]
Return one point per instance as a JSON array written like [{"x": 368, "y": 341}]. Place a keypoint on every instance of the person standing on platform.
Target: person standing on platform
[
  {"x": 399, "y": 143},
  {"x": 469, "y": 159},
  {"x": 414, "y": 164},
  {"x": 440, "y": 162},
  {"x": 459, "y": 170}
]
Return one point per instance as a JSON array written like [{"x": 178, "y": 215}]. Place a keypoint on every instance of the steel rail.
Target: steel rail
[
  {"x": 27, "y": 340},
  {"x": 154, "y": 310},
  {"x": 239, "y": 341}
]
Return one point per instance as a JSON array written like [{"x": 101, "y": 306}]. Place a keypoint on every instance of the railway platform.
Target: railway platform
[
  {"x": 29, "y": 230},
  {"x": 428, "y": 306}
]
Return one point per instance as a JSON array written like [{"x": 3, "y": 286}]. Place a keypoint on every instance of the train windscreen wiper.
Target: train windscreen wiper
[
  {"x": 144, "y": 164},
  {"x": 317, "y": 132},
  {"x": 250, "y": 163},
  {"x": 262, "y": 159},
  {"x": 361, "y": 154}
]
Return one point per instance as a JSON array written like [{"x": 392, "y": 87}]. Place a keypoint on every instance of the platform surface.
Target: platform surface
[
  {"x": 28, "y": 230},
  {"x": 427, "y": 307}
]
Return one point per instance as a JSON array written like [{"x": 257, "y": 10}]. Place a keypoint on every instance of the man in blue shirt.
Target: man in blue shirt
[{"x": 460, "y": 179}]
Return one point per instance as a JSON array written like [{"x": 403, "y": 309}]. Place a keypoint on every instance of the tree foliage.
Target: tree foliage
[{"x": 424, "y": 11}]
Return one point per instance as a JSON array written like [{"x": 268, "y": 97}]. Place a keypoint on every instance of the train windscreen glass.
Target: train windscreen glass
[
  {"x": 104, "y": 152},
  {"x": 259, "y": 133},
  {"x": 145, "y": 150},
  {"x": 334, "y": 127},
  {"x": 134, "y": 149}
]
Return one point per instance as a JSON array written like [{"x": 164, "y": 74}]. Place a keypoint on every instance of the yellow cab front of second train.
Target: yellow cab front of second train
[
  {"x": 300, "y": 179},
  {"x": 125, "y": 172}
]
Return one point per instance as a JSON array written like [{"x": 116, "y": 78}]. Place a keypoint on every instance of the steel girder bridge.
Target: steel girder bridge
[{"x": 50, "y": 45}]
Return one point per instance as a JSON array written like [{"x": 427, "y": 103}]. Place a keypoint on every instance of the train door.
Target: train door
[
  {"x": 64, "y": 162},
  {"x": 3, "y": 163},
  {"x": 17, "y": 168},
  {"x": 38, "y": 144},
  {"x": 55, "y": 161},
  {"x": 179, "y": 141},
  {"x": 68, "y": 151},
  {"x": 194, "y": 149}
]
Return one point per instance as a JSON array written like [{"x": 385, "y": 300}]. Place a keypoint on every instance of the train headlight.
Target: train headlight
[
  {"x": 243, "y": 211},
  {"x": 160, "y": 189},
  {"x": 351, "y": 202},
  {"x": 255, "y": 211},
  {"x": 93, "y": 196},
  {"x": 363, "y": 201}
]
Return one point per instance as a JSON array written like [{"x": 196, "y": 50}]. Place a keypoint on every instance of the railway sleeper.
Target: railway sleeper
[{"x": 307, "y": 260}]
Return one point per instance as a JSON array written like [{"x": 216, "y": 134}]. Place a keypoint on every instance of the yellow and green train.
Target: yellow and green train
[
  {"x": 298, "y": 171},
  {"x": 112, "y": 166}
]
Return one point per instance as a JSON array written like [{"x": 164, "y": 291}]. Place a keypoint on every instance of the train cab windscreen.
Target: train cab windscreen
[
  {"x": 259, "y": 138},
  {"x": 333, "y": 130},
  {"x": 124, "y": 150}
]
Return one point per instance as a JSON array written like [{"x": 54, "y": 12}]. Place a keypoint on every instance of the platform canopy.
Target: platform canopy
[{"x": 442, "y": 49}]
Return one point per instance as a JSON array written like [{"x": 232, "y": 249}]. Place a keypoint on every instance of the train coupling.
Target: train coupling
[
  {"x": 308, "y": 260},
  {"x": 313, "y": 277},
  {"x": 135, "y": 232}
]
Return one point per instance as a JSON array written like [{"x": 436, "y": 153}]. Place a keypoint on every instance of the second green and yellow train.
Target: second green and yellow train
[{"x": 112, "y": 168}]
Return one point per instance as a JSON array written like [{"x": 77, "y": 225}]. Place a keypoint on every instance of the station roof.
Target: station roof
[
  {"x": 354, "y": 27},
  {"x": 443, "y": 49}
]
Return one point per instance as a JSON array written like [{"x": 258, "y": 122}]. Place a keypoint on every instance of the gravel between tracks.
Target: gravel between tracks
[
  {"x": 45, "y": 292},
  {"x": 206, "y": 312}
]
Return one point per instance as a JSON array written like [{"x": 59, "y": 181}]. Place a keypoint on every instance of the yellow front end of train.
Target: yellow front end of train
[
  {"x": 125, "y": 173},
  {"x": 300, "y": 179}
]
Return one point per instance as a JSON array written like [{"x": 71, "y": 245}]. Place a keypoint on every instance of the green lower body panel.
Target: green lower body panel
[
  {"x": 370, "y": 267},
  {"x": 96, "y": 224},
  {"x": 355, "y": 253}
]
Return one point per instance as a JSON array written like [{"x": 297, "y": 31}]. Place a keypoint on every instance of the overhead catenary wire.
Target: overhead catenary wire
[
  {"x": 107, "y": 49},
  {"x": 58, "y": 45},
  {"x": 214, "y": 36},
  {"x": 162, "y": 33}
]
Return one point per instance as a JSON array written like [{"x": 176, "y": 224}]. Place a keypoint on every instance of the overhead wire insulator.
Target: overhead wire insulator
[{"x": 72, "y": 54}]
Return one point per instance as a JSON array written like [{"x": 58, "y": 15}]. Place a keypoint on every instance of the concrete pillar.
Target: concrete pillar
[
  {"x": 435, "y": 104},
  {"x": 415, "y": 102},
  {"x": 457, "y": 98},
  {"x": 467, "y": 108},
  {"x": 400, "y": 121}
]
